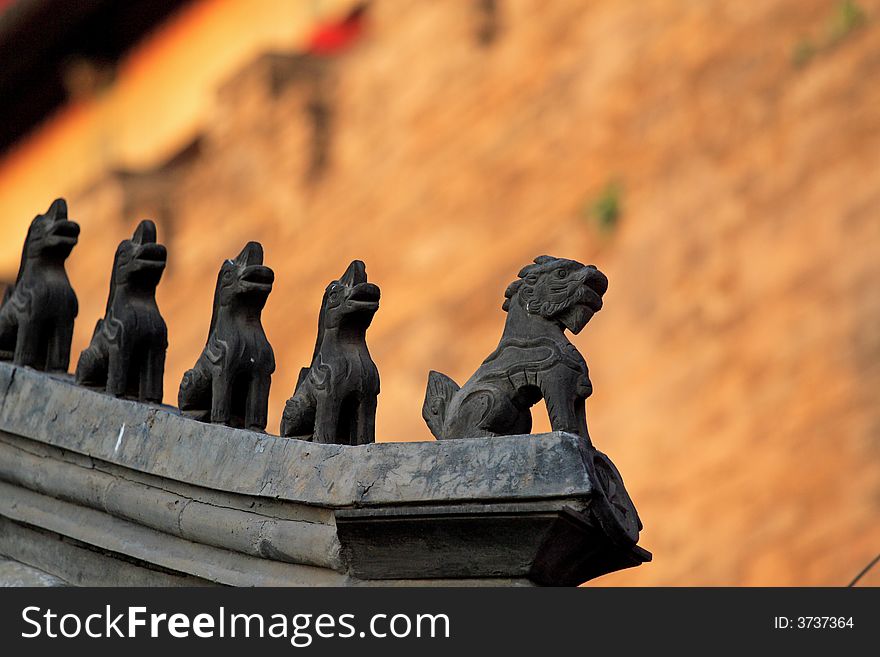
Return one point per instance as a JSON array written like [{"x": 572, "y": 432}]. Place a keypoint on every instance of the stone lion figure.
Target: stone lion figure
[{"x": 534, "y": 359}]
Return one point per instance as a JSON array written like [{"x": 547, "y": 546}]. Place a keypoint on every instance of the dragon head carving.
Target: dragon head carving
[
  {"x": 560, "y": 290},
  {"x": 140, "y": 261},
  {"x": 51, "y": 235},
  {"x": 245, "y": 277},
  {"x": 244, "y": 282},
  {"x": 350, "y": 300}
]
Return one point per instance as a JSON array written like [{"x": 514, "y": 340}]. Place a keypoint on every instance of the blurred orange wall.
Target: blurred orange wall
[{"x": 162, "y": 94}]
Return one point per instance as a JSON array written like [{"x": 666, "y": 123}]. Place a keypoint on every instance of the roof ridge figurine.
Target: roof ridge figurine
[
  {"x": 335, "y": 397},
  {"x": 38, "y": 310},
  {"x": 229, "y": 383},
  {"x": 126, "y": 356},
  {"x": 533, "y": 360}
]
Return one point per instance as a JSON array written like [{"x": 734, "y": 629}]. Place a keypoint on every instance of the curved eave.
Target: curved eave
[
  {"x": 157, "y": 440},
  {"x": 98, "y": 490}
]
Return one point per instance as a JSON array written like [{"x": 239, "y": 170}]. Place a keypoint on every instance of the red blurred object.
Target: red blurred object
[{"x": 337, "y": 36}]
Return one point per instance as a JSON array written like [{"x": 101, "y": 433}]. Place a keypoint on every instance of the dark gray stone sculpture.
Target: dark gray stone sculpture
[
  {"x": 230, "y": 381},
  {"x": 37, "y": 312},
  {"x": 335, "y": 398},
  {"x": 126, "y": 356},
  {"x": 533, "y": 360}
]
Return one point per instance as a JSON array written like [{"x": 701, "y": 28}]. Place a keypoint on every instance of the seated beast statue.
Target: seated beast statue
[
  {"x": 126, "y": 356},
  {"x": 37, "y": 311},
  {"x": 335, "y": 398},
  {"x": 230, "y": 381},
  {"x": 533, "y": 360}
]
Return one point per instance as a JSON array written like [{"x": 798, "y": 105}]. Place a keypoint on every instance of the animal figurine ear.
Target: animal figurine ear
[
  {"x": 512, "y": 289},
  {"x": 145, "y": 233},
  {"x": 355, "y": 274},
  {"x": 251, "y": 254},
  {"x": 58, "y": 210}
]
